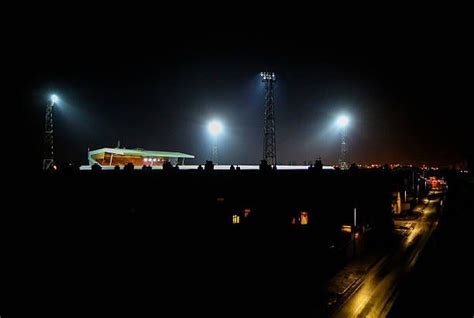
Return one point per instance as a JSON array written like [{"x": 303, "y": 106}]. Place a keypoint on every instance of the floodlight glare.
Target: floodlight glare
[
  {"x": 267, "y": 76},
  {"x": 214, "y": 127},
  {"x": 342, "y": 121},
  {"x": 54, "y": 98}
]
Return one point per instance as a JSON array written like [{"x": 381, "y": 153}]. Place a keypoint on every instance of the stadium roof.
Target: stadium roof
[{"x": 141, "y": 152}]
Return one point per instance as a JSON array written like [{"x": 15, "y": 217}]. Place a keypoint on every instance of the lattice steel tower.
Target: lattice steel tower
[
  {"x": 269, "y": 141},
  {"x": 342, "y": 123},
  {"x": 48, "y": 156},
  {"x": 343, "y": 164}
]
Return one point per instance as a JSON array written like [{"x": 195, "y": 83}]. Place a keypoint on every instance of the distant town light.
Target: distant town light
[
  {"x": 304, "y": 218},
  {"x": 346, "y": 228},
  {"x": 246, "y": 212},
  {"x": 235, "y": 219}
]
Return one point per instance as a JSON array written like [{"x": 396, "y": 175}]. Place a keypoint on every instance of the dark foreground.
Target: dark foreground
[
  {"x": 377, "y": 290},
  {"x": 165, "y": 244}
]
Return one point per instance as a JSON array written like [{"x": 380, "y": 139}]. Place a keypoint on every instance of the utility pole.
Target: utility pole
[{"x": 354, "y": 231}]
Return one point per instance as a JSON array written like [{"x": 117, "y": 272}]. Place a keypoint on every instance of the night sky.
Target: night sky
[{"x": 155, "y": 85}]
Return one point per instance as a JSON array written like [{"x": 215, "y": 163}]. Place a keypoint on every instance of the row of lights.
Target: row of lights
[{"x": 151, "y": 159}]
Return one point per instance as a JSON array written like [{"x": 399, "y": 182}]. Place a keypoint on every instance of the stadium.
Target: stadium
[{"x": 112, "y": 157}]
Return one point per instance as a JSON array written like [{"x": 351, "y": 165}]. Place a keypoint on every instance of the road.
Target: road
[{"x": 379, "y": 288}]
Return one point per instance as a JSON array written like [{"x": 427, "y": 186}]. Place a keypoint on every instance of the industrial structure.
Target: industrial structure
[
  {"x": 269, "y": 141},
  {"x": 343, "y": 156},
  {"x": 342, "y": 122},
  {"x": 48, "y": 155},
  {"x": 215, "y": 129},
  {"x": 111, "y": 157}
]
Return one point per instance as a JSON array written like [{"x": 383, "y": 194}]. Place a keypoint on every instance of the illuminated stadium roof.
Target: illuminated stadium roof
[{"x": 141, "y": 153}]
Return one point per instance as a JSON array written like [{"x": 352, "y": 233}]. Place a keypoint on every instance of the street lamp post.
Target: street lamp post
[
  {"x": 355, "y": 229},
  {"x": 48, "y": 156}
]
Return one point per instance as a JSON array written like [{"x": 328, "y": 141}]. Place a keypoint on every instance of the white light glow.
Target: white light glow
[
  {"x": 268, "y": 75},
  {"x": 342, "y": 121},
  {"x": 54, "y": 98},
  {"x": 214, "y": 127}
]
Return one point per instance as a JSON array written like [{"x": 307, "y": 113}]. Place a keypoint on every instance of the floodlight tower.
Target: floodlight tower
[
  {"x": 215, "y": 129},
  {"x": 342, "y": 122},
  {"x": 48, "y": 156},
  {"x": 269, "y": 141}
]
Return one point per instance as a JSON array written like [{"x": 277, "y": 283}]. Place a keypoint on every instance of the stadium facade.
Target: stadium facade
[{"x": 111, "y": 157}]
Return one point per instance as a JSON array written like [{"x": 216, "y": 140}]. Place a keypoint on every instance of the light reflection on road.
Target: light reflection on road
[{"x": 379, "y": 288}]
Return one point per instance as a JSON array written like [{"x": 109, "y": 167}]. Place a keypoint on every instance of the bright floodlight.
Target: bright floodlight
[
  {"x": 342, "y": 121},
  {"x": 214, "y": 127},
  {"x": 54, "y": 98},
  {"x": 267, "y": 76}
]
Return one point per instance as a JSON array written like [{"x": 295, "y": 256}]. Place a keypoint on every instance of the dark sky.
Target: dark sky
[{"x": 155, "y": 84}]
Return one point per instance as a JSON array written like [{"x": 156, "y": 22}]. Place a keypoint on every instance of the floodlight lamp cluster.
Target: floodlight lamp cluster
[
  {"x": 342, "y": 121},
  {"x": 54, "y": 99},
  {"x": 267, "y": 76},
  {"x": 215, "y": 127}
]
